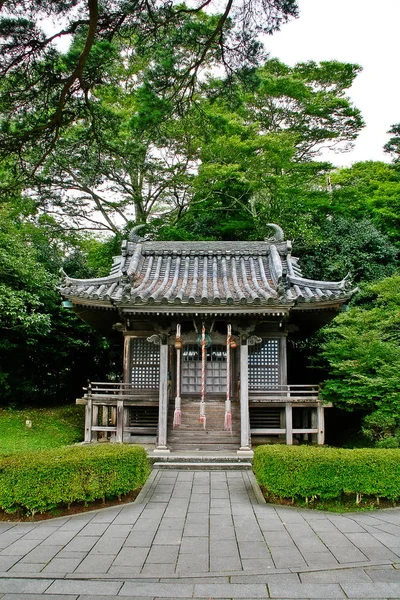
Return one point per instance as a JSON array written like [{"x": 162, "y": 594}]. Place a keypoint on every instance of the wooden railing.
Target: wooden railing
[
  {"x": 110, "y": 392},
  {"x": 106, "y": 405},
  {"x": 294, "y": 393}
]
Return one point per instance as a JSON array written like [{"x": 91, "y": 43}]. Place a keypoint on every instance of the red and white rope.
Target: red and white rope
[
  {"x": 177, "y": 411},
  {"x": 203, "y": 377},
  {"x": 228, "y": 404}
]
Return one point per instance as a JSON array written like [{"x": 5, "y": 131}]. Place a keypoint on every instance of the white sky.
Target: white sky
[{"x": 365, "y": 32}]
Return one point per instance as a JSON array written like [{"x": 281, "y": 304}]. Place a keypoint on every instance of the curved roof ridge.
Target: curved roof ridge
[
  {"x": 316, "y": 283},
  {"x": 92, "y": 281}
]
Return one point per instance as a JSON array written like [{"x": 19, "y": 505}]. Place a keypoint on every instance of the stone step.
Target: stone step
[
  {"x": 199, "y": 457},
  {"x": 203, "y": 466}
]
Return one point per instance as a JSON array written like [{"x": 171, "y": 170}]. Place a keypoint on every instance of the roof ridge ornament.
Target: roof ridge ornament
[
  {"x": 346, "y": 282},
  {"x": 278, "y": 236},
  {"x": 132, "y": 233}
]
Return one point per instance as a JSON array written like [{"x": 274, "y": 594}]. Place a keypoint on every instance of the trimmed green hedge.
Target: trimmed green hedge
[
  {"x": 308, "y": 471},
  {"x": 42, "y": 480}
]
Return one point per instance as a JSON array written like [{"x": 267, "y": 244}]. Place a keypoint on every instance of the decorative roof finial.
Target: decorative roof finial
[
  {"x": 278, "y": 236},
  {"x": 132, "y": 234}
]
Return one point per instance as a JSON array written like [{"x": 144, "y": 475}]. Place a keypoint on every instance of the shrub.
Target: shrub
[
  {"x": 379, "y": 427},
  {"x": 305, "y": 472},
  {"x": 388, "y": 442},
  {"x": 39, "y": 481}
]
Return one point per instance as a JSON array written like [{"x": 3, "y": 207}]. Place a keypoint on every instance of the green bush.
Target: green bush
[
  {"x": 40, "y": 481},
  {"x": 326, "y": 473},
  {"x": 380, "y": 427},
  {"x": 388, "y": 442}
]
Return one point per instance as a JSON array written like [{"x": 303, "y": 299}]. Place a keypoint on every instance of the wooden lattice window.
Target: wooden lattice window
[
  {"x": 145, "y": 361},
  {"x": 264, "y": 365},
  {"x": 215, "y": 369}
]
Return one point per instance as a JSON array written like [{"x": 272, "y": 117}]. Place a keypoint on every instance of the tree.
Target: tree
[
  {"x": 362, "y": 347},
  {"x": 368, "y": 190},
  {"x": 24, "y": 283},
  {"x": 347, "y": 245},
  {"x": 259, "y": 145},
  {"x": 46, "y": 352},
  {"x": 43, "y": 90},
  {"x": 392, "y": 147},
  {"x": 136, "y": 164}
]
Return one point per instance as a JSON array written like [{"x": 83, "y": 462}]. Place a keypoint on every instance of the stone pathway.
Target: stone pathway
[{"x": 202, "y": 534}]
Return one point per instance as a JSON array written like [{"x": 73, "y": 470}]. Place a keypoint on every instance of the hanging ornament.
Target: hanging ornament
[
  {"x": 228, "y": 404},
  {"x": 178, "y": 346},
  {"x": 203, "y": 377},
  {"x": 208, "y": 340}
]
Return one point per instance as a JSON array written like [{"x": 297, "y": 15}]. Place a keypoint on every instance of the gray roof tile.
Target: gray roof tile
[{"x": 204, "y": 273}]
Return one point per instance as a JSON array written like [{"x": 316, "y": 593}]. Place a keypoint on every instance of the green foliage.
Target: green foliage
[
  {"x": 392, "y": 147},
  {"x": 46, "y": 352},
  {"x": 26, "y": 287},
  {"x": 307, "y": 472},
  {"x": 347, "y": 245},
  {"x": 362, "y": 348},
  {"x": 369, "y": 190},
  {"x": 40, "y": 481},
  {"x": 382, "y": 428},
  {"x": 257, "y": 148},
  {"x": 51, "y": 428},
  {"x": 43, "y": 91},
  {"x": 92, "y": 257}
]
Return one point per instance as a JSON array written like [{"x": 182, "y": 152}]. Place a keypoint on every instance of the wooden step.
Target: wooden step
[{"x": 191, "y": 434}]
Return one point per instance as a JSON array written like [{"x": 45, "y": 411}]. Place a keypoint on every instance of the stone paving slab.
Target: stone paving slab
[
  {"x": 306, "y": 590},
  {"x": 27, "y": 589},
  {"x": 38, "y": 597},
  {"x": 202, "y": 534},
  {"x": 31, "y": 586}
]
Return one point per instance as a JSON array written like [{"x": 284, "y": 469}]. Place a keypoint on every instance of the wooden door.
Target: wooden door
[{"x": 216, "y": 371}]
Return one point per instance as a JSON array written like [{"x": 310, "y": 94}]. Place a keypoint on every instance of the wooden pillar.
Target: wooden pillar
[
  {"x": 88, "y": 420},
  {"x": 320, "y": 425},
  {"x": 244, "y": 397},
  {"x": 89, "y": 414},
  {"x": 314, "y": 424},
  {"x": 120, "y": 422},
  {"x": 283, "y": 360},
  {"x": 289, "y": 423},
  {"x": 95, "y": 421},
  {"x": 127, "y": 359},
  {"x": 163, "y": 398},
  {"x": 304, "y": 422},
  {"x": 104, "y": 421}
]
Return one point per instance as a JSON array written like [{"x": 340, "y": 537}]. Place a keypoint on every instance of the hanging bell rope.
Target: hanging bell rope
[
  {"x": 178, "y": 346},
  {"x": 203, "y": 377},
  {"x": 228, "y": 404}
]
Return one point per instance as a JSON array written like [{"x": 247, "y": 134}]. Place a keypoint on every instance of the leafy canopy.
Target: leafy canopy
[
  {"x": 43, "y": 90},
  {"x": 362, "y": 347}
]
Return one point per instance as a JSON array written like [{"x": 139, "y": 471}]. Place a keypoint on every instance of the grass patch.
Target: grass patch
[{"x": 51, "y": 428}]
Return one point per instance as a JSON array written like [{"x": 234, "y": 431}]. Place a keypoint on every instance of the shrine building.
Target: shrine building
[{"x": 205, "y": 328}]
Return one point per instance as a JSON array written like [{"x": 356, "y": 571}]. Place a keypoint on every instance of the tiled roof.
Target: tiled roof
[{"x": 204, "y": 274}]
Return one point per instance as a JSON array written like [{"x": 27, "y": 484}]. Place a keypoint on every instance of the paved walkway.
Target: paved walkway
[{"x": 197, "y": 534}]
